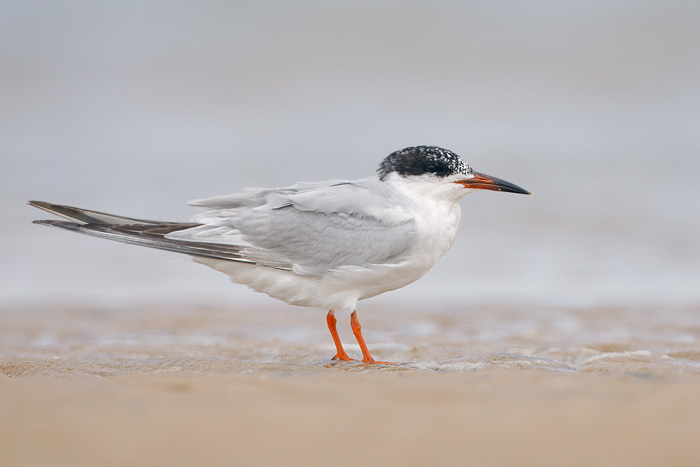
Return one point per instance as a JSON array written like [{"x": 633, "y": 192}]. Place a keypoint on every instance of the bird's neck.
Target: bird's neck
[{"x": 427, "y": 191}]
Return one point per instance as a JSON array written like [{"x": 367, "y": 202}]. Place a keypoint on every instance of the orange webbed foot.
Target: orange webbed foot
[{"x": 343, "y": 357}]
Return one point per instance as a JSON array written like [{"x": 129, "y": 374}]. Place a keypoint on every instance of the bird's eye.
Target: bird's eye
[{"x": 430, "y": 168}]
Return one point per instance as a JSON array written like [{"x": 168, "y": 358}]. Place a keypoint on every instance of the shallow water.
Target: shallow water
[
  {"x": 590, "y": 107},
  {"x": 78, "y": 341}
]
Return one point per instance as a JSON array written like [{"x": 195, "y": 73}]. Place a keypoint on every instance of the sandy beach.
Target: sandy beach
[
  {"x": 211, "y": 386},
  {"x": 345, "y": 418}
]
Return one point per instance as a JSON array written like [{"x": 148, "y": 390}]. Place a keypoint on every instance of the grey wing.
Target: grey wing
[
  {"x": 314, "y": 228},
  {"x": 142, "y": 232},
  {"x": 253, "y": 197}
]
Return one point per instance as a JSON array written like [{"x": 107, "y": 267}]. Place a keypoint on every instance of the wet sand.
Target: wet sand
[{"x": 161, "y": 386}]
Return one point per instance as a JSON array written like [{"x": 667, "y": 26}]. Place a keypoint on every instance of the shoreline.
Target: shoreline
[{"x": 157, "y": 385}]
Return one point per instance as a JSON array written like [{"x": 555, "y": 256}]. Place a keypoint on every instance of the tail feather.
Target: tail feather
[
  {"x": 86, "y": 216},
  {"x": 152, "y": 234}
]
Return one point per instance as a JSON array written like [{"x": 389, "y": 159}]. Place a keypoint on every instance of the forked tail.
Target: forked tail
[{"x": 143, "y": 232}]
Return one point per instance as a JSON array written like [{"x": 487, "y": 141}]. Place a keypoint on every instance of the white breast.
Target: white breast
[{"x": 434, "y": 208}]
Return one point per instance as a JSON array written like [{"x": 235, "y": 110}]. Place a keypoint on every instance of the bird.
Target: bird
[{"x": 325, "y": 244}]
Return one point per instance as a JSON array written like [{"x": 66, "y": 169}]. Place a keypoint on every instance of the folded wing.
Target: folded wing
[
  {"x": 313, "y": 227},
  {"x": 308, "y": 228}
]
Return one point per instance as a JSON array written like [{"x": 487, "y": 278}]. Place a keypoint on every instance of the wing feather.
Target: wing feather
[
  {"x": 309, "y": 228},
  {"x": 313, "y": 227}
]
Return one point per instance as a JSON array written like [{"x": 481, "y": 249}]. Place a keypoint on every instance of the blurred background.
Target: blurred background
[{"x": 136, "y": 107}]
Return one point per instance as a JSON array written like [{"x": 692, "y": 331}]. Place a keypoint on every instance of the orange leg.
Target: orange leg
[
  {"x": 357, "y": 330},
  {"x": 340, "y": 352}
]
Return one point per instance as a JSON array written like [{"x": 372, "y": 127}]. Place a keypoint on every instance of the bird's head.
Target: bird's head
[{"x": 441, "y": 165}]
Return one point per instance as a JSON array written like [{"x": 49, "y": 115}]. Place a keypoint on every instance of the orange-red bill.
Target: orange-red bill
[{"x": 486, "y": 182}]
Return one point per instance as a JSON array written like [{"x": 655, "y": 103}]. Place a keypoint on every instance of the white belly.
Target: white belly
[{"x": 340, "y": 289}]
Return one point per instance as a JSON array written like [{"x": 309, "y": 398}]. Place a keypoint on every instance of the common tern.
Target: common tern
[{"x": 324, "y": 244}]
